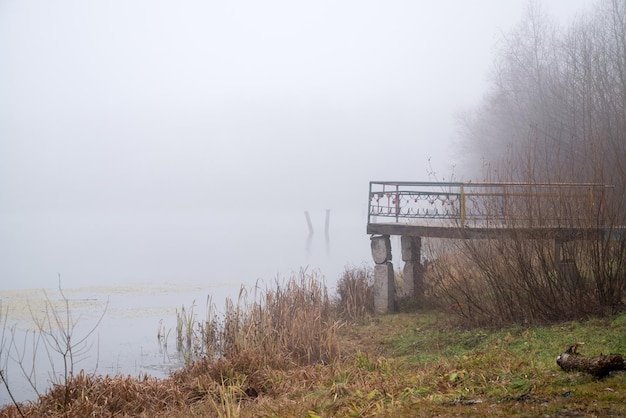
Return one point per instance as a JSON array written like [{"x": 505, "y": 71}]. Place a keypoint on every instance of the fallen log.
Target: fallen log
[{"x": 599, "y": 366}]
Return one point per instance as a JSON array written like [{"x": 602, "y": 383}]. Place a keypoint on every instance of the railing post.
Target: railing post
[
  {"x": 591, "y": 206},
  {"x": 397, "y": 199},
  {"x": 462, "y": 205},
  {"x": 369, "y": 205}
]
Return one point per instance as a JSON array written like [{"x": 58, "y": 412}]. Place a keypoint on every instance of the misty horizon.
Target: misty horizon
[{"x": 185, "y": 140}]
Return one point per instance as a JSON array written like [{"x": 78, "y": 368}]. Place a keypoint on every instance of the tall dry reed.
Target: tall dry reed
[
  {"x": 355, "y": 293},
  {"x": 293, "y": 322}
]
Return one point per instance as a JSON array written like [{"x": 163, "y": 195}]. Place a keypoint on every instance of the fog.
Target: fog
[{"x": 165, "y": 141}]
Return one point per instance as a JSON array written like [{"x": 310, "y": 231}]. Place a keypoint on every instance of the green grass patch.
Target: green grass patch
[{"x": 513, "y": 370}]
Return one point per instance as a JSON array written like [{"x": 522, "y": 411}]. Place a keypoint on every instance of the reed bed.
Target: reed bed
[{"x": 293, "y": 322}]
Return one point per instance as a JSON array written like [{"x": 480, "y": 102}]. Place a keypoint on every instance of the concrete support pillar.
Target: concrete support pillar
[
  {"x": 381, "y": 248},
  {"x": 566, "y": 267},
  {"x": 384, "y": 286},
  {"x": 558, "y": 251},
  {"x": 413, "y": 271}
]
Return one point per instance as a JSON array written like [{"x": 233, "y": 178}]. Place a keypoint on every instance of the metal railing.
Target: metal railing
[{"x": 488, "y": 204}]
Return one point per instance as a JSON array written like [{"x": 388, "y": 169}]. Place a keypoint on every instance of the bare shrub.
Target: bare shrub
[
  {"x": 518, "y": 280},
  {"x": 57, "y": 334},
  {"x": 453, "y": 284}
]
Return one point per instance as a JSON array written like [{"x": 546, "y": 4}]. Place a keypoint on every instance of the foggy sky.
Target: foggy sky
[{"x": 175, "y": 119}]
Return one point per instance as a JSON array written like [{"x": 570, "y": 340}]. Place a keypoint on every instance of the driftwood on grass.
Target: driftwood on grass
[{"x": 599, "y": 366}]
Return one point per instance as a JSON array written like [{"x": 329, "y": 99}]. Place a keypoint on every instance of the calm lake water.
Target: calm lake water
[{"x": 139, "y": 274}]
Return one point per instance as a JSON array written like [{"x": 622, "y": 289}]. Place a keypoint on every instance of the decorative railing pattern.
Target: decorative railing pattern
[{"x": 488, "y": 204}]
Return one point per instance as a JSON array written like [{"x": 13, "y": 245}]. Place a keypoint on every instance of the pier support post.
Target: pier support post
[
  {"x": 566, "y": 267},
  {"x": 384, "y": 286},
  {"x": 413, "y": 270}
]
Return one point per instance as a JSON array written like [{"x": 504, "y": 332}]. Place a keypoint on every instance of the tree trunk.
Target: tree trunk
[{"x": 599, "y": 366}]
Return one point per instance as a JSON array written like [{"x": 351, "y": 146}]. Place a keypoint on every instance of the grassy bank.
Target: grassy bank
[{"x": 393, "y": 365}]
